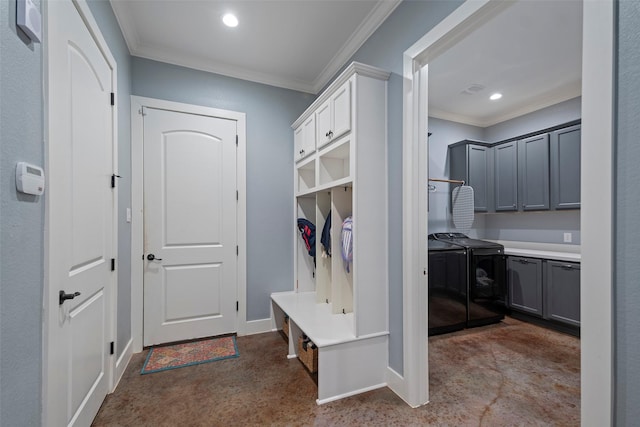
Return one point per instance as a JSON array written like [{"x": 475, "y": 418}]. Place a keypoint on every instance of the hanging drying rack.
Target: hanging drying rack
[{"x": 451, "y": 181}]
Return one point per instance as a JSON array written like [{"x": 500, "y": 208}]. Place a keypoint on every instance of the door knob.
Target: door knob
[
  {"x": 65, "y": 296},
  {"x": 152, "y": 257}
]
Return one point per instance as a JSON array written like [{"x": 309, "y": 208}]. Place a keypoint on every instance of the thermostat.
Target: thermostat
[{"x": 29, "y": 179}]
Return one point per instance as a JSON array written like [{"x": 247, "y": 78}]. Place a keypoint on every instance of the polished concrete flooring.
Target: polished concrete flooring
[{"x": 508, "y": 374}]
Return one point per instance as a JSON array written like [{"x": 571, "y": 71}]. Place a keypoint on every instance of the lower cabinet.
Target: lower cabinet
[
  {"x": 545, "y": 288},
  {"x": 562, "y": 302},
  {"x": 525, "y": 284}
]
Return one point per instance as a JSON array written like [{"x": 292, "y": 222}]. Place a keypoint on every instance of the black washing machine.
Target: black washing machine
[
  {"x": 447, "y": 287},
  {"x": 486, "y": 273}
]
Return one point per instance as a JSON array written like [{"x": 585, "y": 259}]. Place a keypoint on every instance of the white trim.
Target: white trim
[
  {"x": 137, "y": 213},
  {"x": 85, "y": 14},
  {"x": 122, "y": 363},
  {"x": 596, "y": 217},
  {"x": 396, "y": 383},
  {"x": 371, "y": 23},
  {"x": 597, "y": 203},
  {"x": 368, "y": 26},
  {"x": 351, "y": 393},
  {"x": 533, "y": 105},
  {"x": 259, "y": 326},
  {"x": 353, "y": 68}
]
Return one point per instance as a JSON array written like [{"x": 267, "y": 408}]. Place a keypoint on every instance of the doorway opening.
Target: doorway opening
[{"x": 595, "y": 220}]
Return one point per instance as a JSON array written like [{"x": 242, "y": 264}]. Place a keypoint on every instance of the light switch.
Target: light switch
[
  {"x": 128, "y": 214},
  {"x": 567, "y": 237}
]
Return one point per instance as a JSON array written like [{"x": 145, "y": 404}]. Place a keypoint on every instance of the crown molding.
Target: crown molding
[
  {"x": 353, "y": 68},
  {"x": 137, "y": 48},
  {"x": 374, "y": 19},
  {"x": 558, "y": 96},
  {"x": 189, "y": 61},
  {"x": 125, "y": 21}
]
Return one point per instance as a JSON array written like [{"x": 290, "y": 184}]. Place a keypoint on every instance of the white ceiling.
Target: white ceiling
[
  {"x": 295, "y": 44},
  {"x": 531, "y": 53}
]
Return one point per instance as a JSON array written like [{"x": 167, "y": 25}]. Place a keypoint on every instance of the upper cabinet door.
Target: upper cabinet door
[
  {"x": 533, "y": 172},
  {"x": 478, "y": 176},
  {"x": 334, "y": 116},
  {"x": 506, "y": 176},
  {"x": 298, "y": 143},
  {"x": 323, "y": 123},
  {"x": 341, "y": 102},
  {"x": 565, "y": 168},
  {"x": 304, "y": 139}
]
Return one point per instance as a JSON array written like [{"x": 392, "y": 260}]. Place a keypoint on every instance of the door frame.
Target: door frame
[
  {"x": 137, "y": 207},
  {"x": 598, "y": 80},
  {"x": 49, "y": 252}
]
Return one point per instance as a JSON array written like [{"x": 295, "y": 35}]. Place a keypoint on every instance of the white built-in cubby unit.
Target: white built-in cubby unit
[{"x": 340, "y": 170}]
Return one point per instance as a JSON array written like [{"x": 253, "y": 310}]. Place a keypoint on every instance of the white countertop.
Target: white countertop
[{"x": 553, "y": 251}]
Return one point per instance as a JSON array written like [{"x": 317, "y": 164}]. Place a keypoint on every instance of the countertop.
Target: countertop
[{"x": 553, "y": 251}]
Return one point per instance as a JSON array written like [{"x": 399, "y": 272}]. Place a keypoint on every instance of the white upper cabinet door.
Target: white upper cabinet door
[
  {"x": 304, "y": 139},
  {"x": 309, "y": 138},
  {"x": 323, "y": 122},
  {"x": 298, "y": 143},
  {"x": 341, "y": 103},
  {"x": 334, "y": 116}
]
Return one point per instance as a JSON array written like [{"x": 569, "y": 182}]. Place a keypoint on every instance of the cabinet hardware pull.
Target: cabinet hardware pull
[{"x": 568, "y": 267}]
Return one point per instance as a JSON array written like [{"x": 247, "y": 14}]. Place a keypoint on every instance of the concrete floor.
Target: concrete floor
[{"x": 508, "y": 374}]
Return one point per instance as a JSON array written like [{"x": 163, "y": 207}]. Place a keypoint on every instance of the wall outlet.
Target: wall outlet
[{"x": 567, "y": 237}]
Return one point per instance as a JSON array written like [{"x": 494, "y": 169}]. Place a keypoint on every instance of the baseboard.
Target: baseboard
[
  {"x": 122, "y": 363},
  {"x": 351, "y": 393},
  {"x": 253, "y": 327},
  {"x": 397, "y": 384}
]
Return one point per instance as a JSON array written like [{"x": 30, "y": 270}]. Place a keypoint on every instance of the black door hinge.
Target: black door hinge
[
  {"x": 236, "y": 140},
  {"x": 237, "y": 250},
  {"x": 113, "y": 180},
  {"x": 112, "y": 347},
  {"x": 237, "y": 196},
  {"x": 113, "y": 264},
  {"x": 237, "y": 306},
  {"x": 113, "y": 98}
]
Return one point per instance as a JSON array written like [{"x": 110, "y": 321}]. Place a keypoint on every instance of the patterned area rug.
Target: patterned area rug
[{"x": 163, "y": 358}]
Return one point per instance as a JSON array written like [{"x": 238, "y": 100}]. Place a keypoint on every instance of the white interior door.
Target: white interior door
[
  {"x": 80, "y": 204},
  {"x": 190, "y": 226}
]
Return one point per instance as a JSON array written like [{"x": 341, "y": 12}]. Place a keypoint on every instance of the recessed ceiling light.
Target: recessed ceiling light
[
  {"x": 495, "y": 96},
  {"x": 230, "y": 20}
]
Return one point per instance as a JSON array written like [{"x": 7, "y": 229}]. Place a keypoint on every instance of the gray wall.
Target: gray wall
[
  {"x": 106, "y": 20},
  {"x": 409, "y": 22},
  {"x": 270, "y": 113},
  {"x": 543, "y": 118},
  {"x": 627, "y": 230},
  {"x": 21, "y": 226}
]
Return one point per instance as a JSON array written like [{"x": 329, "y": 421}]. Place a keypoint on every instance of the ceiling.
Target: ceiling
[
  {"x": 531, "y": 53},
  {"x": 294, "y": 44}
]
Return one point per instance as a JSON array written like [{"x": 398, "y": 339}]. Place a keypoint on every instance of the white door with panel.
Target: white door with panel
[
  {"x": 81, "y": 230},
  {"x": 190, "y": 226}
]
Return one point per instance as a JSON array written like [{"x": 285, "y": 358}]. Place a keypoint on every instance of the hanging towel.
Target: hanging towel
[
  {"x": 325, "y": 238},
  {"x": 347, "y": 242}
]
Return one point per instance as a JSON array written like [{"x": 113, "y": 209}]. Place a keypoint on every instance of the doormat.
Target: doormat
[{"x": 163, "y": 358}]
